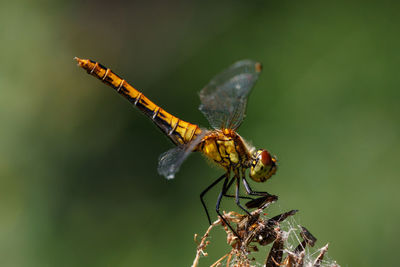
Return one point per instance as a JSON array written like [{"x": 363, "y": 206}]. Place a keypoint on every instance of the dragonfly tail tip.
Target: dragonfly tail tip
[{"x": 80, "y": 61}]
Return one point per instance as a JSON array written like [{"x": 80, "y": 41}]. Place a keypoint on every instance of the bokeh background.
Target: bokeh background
[{"x": 78, "y": 165}]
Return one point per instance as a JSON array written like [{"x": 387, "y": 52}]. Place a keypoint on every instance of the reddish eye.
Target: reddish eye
[{"x": 265, "y": 158}]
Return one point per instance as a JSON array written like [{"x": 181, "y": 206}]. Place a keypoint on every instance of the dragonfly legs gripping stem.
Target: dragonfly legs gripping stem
[
  {"x": 226, "y": 185},
  {"x": 251, "y": 192},
  {"x": 233, "y": 196},
  {"x": 222, "y": 193},
  {"x": 225, "y": 195},
  {"x": 253, "y": 203},
  {"x": 264, "y": 197},
  {"x": 237, "y": 198},
  {"x": 205, "y": 191}
]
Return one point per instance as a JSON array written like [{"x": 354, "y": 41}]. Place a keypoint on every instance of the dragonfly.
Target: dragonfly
[{"x": 223, "y": 103}]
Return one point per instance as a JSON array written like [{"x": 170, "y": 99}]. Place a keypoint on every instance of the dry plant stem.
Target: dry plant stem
[
  {"x": 253, "y": 229},
  {"x": 230, "y": 216},
  {"x": 228, "y": 262},
  {"x": 217, "y": 263},
  {"x": 231, "y": 239},
  {"x": 203, "y": 243},
  {"x": 317, "y": 262},
  {"x": 300, "y": 259}
]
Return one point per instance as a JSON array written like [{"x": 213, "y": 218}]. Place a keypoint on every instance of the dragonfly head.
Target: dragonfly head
[{"x": 263, "y": 166}]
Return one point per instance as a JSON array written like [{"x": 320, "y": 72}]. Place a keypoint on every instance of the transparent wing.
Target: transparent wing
[
  {"x": 223, "y": 100},
  {"x": 171, "y": 160}
]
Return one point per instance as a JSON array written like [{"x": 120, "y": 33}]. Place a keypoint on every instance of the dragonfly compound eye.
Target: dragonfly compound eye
[{"x": 263, "y": 166}]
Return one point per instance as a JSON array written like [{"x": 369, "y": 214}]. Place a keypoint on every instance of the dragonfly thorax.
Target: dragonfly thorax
[{"x": 226, "y": 148}]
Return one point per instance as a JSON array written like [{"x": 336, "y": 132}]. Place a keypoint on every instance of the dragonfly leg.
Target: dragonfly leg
[
  {"x": 205, "y": 191},
  {"x": 251, "y": 192},
  {"x": 241, "y": 197},
  {"x": 237, "y": 197},
  {"x": 223, "y": 191},
  {"x": 233, "y": 196},
  {"x": 264, "y": 197}
]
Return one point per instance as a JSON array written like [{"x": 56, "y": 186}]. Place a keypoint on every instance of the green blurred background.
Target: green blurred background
[{"x": 78, "y": 165}]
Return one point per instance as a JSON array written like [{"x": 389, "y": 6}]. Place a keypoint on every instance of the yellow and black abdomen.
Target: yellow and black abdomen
[{"x": 179, "y": 131}]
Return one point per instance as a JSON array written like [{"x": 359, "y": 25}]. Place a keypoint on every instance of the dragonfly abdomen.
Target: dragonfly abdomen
[{"x": 179, "y": 131}]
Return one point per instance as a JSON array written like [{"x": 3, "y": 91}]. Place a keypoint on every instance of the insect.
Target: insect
[{"x": 223, "y": 102}]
